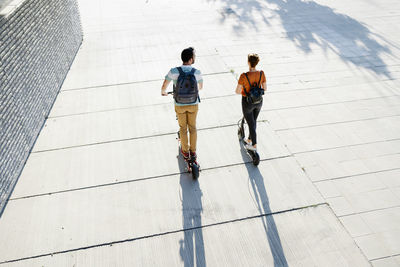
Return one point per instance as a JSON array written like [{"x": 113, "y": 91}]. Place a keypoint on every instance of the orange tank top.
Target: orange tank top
[{"x": 254, "y": 77}]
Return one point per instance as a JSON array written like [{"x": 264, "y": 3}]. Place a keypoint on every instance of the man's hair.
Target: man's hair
[
  {"x": 187, "y": 54},
  {"x": 253, "y": 59}
]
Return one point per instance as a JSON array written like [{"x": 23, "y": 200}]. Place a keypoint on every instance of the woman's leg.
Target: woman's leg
[
  {"x": 248, "y": 115},
  {"x": 256, "y": 112}
]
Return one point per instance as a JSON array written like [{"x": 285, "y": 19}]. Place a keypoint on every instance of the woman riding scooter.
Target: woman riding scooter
[{"x": 252, "y": 85}]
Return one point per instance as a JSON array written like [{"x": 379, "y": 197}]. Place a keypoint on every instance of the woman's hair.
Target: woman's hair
[{"x": 253, "y": 59}]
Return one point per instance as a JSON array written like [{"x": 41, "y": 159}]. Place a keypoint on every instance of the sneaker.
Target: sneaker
[
  {"x": 250, "y": 147},
  {"x": 246, "y": 141},
  {"x": 185, "y": 154}
]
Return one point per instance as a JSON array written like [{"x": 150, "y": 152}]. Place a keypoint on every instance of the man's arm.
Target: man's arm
[
  {"x": 164, "y": 87},
  {"x": 199, "y": 78}
]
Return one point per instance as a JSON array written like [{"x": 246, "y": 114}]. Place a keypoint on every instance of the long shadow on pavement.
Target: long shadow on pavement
[
  {"x": 308, "y": 24},
  {"x": 261, "y": 200},
  {"x": 192, "y": 246}
]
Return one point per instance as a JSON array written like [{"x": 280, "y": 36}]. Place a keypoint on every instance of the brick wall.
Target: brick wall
[{"x": 38, "y": 42}]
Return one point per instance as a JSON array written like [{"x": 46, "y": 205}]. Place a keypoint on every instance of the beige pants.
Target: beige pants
[{"x": 187, "y": 119}]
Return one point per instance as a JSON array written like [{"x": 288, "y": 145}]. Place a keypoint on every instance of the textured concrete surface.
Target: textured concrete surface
[
  {"x": 105, "y": 186},
  {"x": 38, "y": 43}
]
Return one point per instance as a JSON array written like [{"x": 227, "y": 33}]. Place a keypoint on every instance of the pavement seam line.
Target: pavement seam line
[
  {"x": 363, "y": 212},
  {"x": 358, "y": 174},
  {"x": 385, "y": 257},
  {"x": 352, "y": 145},
  {"x": 133, "y": 82},
  {"x": 202, "y": 129},
  {"x": 135, "y": 138},
  {"x": 339, "y": 122},
  {"x": 232, "y": 67},
  {"x": 223, "y": 96},
  {"x": 166, "y": 233},
  {"x": 142, "y": 179},
  {"x": 340, "y": 222}
]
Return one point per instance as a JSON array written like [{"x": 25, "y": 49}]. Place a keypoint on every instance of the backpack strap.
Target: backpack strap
[
  {"x": 180, "y": 71},
  {"x": 259, "y": 81},
  {"x": 247, "y": 93},
  {"x": 192, "y": 72}
]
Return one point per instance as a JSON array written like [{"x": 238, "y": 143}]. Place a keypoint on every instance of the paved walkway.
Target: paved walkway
[{"x": 104, "y": 185}]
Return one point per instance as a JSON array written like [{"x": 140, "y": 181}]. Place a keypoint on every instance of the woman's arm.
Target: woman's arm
[
  {"x": 239, "y": 89},
  {"x": 264, "y": 86}
]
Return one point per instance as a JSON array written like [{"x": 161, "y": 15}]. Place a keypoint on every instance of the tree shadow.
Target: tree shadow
[
  {"x": 308, "y": 24},
  {"x": 191, "y": 248},
  {"x": 262, "y": 202}
]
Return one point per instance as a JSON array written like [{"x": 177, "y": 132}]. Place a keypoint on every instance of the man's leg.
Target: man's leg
[
  {"x": 182, "y": 121},
  {"x": 192, "y": 115}
]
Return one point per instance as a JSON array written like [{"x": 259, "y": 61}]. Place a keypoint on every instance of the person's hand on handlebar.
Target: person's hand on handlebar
[
  {"x": 164, "y": 88},
  {"x": 164, "y": 92}
]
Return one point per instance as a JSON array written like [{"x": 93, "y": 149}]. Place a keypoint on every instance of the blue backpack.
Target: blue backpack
[
  {"x": 185, "y": 89},
  {"x": 255, "y": 94}
]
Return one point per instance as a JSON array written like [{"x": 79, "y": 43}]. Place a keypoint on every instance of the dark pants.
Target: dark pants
[{"x": 250, "y": 113}]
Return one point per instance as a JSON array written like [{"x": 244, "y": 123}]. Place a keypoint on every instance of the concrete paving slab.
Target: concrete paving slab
[
  {"x": 310, "y": 236},
  {"x": 384, "y": 236},
  {"x": 297, "y": 68},
  {"x": 332, "y": 163},
  {"x": 390, "y": 178},
  {"x": 396, "y": 192},
  {"x": 349, "y": 80},
  {"x": 358, "y": 194},
  {"x": 327, "y": 79},
  {"x": 327, "y": 189},
  {"x": 93, "y": 56},
  {"x": 355, "y": 225},
  {"x": 132, "y": 95},
  {"x": 93, "y": 128},
  {"x": 383, "y": 220},
  {"x": 152, "y": 206},
  {"x": 341, "y": 134},
  {"x": 117, "y": 17},
  {"x": 372, "y": 200},
  {"x": 135, "y": 159},
  {"x": 355, "y": 184},
  {"x": 373, "y": 246},
  {"x": 389, "y": 241},
  {"x": 139, "y": 94},
  {"x": 341, "y": 206},
  {"x": 386, "y": 262},
  {"x": 335, "y": 113},
  {"x": 138, "y": 72}
]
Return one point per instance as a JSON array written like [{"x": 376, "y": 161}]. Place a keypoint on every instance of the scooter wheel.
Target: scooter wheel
[
  {"x": 256, "y": 158},
  {"x": 195, "y": 171}
]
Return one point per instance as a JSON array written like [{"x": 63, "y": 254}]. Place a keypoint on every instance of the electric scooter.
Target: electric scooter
[
  {"x": 242, "y": 125},
  {"x": 191, "y": 164}
]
